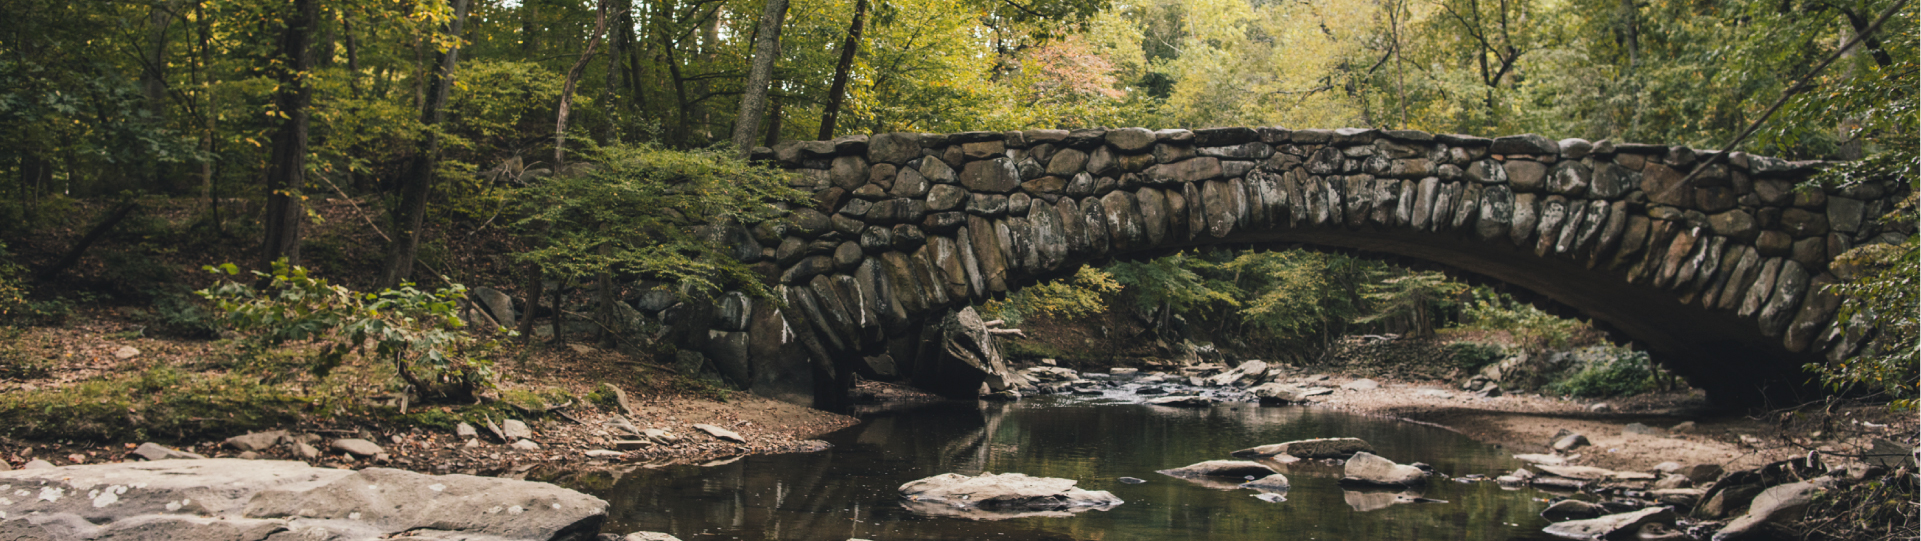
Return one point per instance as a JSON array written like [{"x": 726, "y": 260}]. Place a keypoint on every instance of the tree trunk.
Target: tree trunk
[
  {"x": 407, "y": 217},
  {"x": 753, "y": 100},
  {"x": 617, "y": 44},
  {"x": 153, "y": 83},
  {"x": 529, "y": 28},
  {"x": 287, "y": 172},
  {"x": 773, "y": 120},
  {"x": 839, "y": 89},
  {"x": 534, "y": 283},
  {"x": 573, "y": 80}
]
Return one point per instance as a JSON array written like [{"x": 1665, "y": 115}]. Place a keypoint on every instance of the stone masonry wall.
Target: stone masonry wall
[{"x": 905, "y": 226}]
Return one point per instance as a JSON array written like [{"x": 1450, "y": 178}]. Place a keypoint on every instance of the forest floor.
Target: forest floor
[{"x": 110, "y": 389}]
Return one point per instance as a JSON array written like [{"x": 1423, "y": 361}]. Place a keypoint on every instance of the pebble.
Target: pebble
[
  {"x": 526, "y": 445},
  {"x": 516, "y": 430},
  {"x": 358, "y": 447}
]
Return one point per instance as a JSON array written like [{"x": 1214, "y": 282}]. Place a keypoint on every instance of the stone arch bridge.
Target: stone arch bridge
[{"x": 1718, "y": 276}]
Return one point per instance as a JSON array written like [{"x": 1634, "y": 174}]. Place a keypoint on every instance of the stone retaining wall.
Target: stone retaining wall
[{"x": 906, "y": 226}]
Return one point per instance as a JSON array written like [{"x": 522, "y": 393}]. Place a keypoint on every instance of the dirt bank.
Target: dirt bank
[{"x": 1529, "y": 423}]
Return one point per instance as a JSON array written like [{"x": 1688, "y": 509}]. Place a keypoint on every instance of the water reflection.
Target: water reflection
[{"x": 850, "y": 491}]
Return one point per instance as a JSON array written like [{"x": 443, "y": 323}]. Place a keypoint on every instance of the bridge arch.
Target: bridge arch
[{"x": 1717, "y": 276}]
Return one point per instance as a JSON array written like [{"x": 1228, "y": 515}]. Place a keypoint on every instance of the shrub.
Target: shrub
[
  {"x": 1474, "y": 355},
  {"x": 1608, "y": 371},
  {"x": 1882, "y": 297},
  {"x": 415, "y": 330},
  {"x": 1530, "y": 327},
  {"x": 1069, "y": 298},
  {"x": 15, "y": 307}
]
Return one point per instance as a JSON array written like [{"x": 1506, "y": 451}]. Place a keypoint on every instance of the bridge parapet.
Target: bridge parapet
[{"x": 1719, "y": 275}]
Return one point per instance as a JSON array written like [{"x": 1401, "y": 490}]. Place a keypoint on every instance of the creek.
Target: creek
[{"x": 849, "y": 491}]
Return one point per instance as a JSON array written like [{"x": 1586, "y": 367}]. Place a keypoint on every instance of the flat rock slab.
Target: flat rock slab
[
  {"x": 721, "y": 433},
  {"x": 1586, "y": 473},
  {"x": 1184, "y": 401},
  {"x": 1009, "y": 495},
  {"x": 1309, "y": 449},
  {"x": 251, "y": 499},
  {"x": 1236, "y": 470},
  {"x": 1537, "y": 458},
  {"x": 1606, "y": 527},
  {"x": 155, "y": 451}
]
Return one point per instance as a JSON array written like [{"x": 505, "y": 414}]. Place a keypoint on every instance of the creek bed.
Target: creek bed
[{"x": 850, "y": 490}]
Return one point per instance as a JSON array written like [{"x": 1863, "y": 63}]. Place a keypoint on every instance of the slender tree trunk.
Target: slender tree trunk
[
  {"x": 1400, "y": 78},
  {"x": 287, "y": 173},
  {"x": 773, "y": 120},
  {"x": 573, "y": 80},
  {"x": 408, "y": 217},
  {"x": 838, "y": 90},
  {"x": 1631, "y": 35},
  {"x": 361, "y": 183},
  {"x": 203, "y": 30},
  {"x": 678, "y": 135},
  {"x": 534, "y": 272},
  {"x": 617, "y": 44},
  {"x": 753, "y": 100},
  {"x": 529, "y": 28},
  {"x": 534, "y": 282},
  {"x": 153, "y": 81}
]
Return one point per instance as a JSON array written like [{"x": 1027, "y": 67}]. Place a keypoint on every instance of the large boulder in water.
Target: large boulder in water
[
  {"x": 252, "y": 499},
  {"x": 1009, "y": 495},
  {"x": 968, "y": 362},
  {"x": 1309, "y": 449},
  {"x": 1366, "y": 468}
]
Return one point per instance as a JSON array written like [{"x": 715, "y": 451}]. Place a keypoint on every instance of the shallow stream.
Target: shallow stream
[{"x": 850, "y": 490}]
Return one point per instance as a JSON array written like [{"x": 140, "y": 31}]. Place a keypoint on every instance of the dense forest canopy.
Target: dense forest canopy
[{"x": 438, "y": 112}]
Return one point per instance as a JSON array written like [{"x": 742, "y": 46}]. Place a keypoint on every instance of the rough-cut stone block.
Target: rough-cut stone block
[
  {"x": 1762, "y": 289},
  {"x": 1525, "y": 175},
  {"x": 997, "y": 175},
  {"x": 1525, "y": 144},
  {"x": 1130, "y": 140},
  {"x": 1789, "y": 288}
]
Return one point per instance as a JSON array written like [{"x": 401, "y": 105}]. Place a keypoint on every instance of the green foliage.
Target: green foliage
[
  {"x": 1474, "y": 355},
  {"x": 1078, "y": 296},
  {"x": 1174, "y": 283},
  {"x": 641, "y": 210},
  {"x": 415, "y": 330},
  {"x": 1296, "y": 295},
  {"x": 1530, "y": 328},
  {"x": 1614, "y": 372},
  {"x": 1882, "y": 297},
  {"x": 1414, "y": 298}
]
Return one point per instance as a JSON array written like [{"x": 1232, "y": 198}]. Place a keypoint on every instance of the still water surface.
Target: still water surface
[{"x": 850, "y": 490}]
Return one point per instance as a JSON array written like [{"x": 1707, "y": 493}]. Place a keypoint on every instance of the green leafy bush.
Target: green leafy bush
[
  {"x": 1474, "y": 355},
  {"x": 650, "y": 212},
  {"x": 1068, "y": 298},
  {"x": 1608, "y": 371},
  {"x": 15, "y": 306},
  {"x": 1881, "y": 297},
  {"x": 415, "y": 330},
  {"x": 1530, "y": 327}
]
